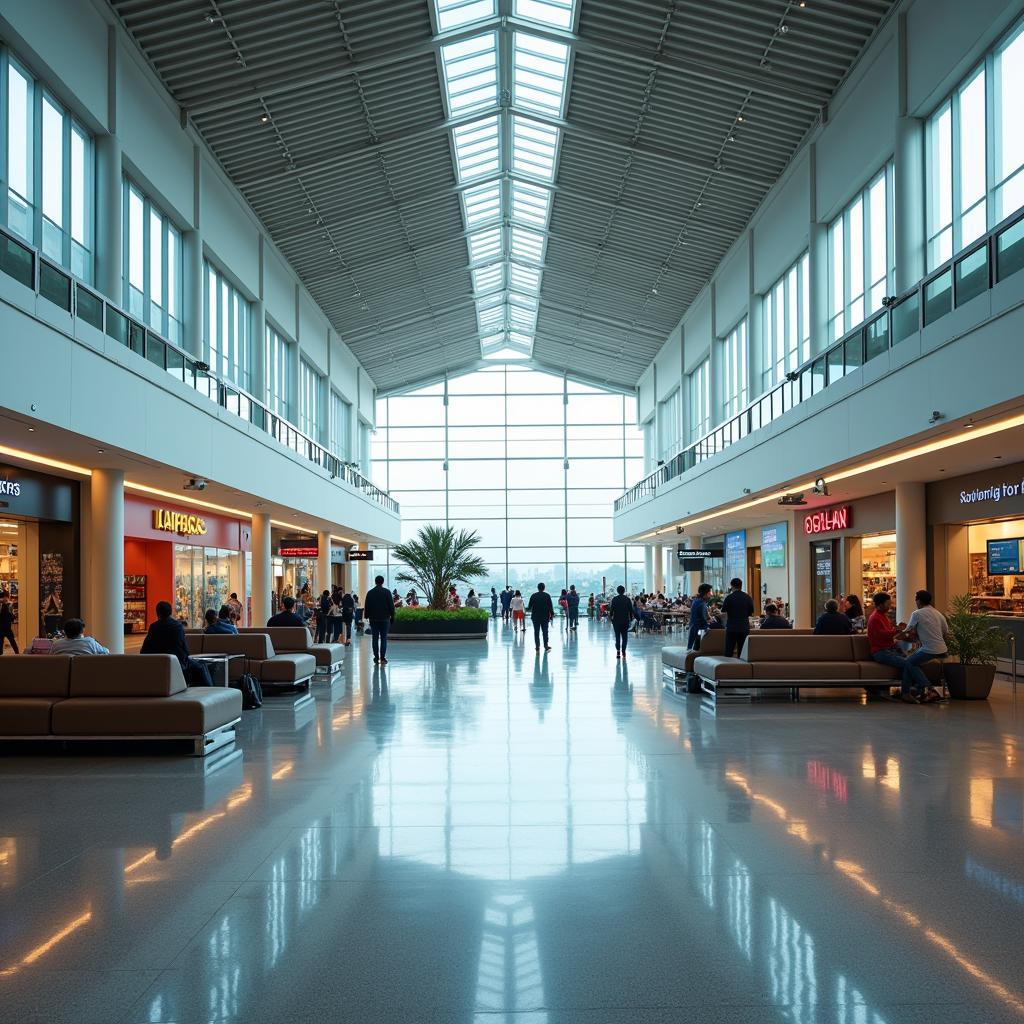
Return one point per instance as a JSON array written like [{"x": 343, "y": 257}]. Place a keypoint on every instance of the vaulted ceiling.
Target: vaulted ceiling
[{"x": 545, "y": 180}]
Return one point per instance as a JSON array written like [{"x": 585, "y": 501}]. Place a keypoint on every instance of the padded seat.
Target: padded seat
[
  {"x": 798, "y": 671},
  {"x": 675, "y": 657},
  {"x": 718, "y": 667},
  {"x": 872, "y": 671},
  {"x": 37, "y": 675},
  {"x": 26, "y": 716},
  {"x": 285, "y": 668},
  {"x": 328, "y": 656},
  {"x": 190, "y": 712}
]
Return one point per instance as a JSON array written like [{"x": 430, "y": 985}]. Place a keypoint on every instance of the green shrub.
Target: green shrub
[{"x": 440, "y": 615}]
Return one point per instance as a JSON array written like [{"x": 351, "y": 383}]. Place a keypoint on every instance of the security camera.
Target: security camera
[
  {"x": 196, "y": 483},
  {"x": 820, "y": 486}
]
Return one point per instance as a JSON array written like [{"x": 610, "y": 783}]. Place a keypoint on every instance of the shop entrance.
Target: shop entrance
[
  {"x": 754, "y": 578},
  {"x": 205, "y": 578},
  {"x": 878, "y": 567},
  {"x": 823, "y": 573},
  {"x": 12, "y": 576}
]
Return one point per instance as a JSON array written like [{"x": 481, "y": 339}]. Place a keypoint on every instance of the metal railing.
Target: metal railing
[
  {"x": 968, "y": 274},
  {"x": 29, "y": 267}
]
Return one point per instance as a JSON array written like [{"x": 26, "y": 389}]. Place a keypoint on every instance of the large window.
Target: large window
[
  {"x": 670, "y": 425},
  {"x": 698, "y": 401},
  {"x": 734, "y": 369},
  {"x": 49, "y": 172},
  {"x": 227, "y": 331},
  {"x": 311, "y": 385},
  {"x": 786, "y": 331},
  {"x": 340, "y": 439},
  {"x": 530, "y": 461},
  {"x": 152, "y": 265},
  {"x": 976, "y": 152},
  {"x": 861, "y": 259},
  {"x": 279, "y": 355}
]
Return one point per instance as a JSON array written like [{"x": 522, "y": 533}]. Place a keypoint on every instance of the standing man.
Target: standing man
[
  {"x": 699, "y": 621},
  {"x": 506, "y": 603},
  {"x": 738, "y": 606},
  {"x": 542, "y": 612},
  {"x": 572, "y": 607},
  {"x": 379, "y": 609},
  {"x": 494, "y": 603},
  {"x": 620, "y": 611}
]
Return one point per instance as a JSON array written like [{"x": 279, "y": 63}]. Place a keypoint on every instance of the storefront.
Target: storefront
[
  {"x": 295, "y": 575},
  {"x": 39, "y": 550},
  {"x": 194, "y": 559},
  {"x": 976, "y": 542},
  {"x": 852, "y": 549}
]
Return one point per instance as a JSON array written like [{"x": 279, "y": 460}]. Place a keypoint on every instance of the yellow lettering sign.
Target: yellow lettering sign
[{"x": 178, "y": 522}]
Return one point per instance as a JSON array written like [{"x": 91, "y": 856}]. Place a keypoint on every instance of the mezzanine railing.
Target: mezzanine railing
[
  {"x": 30, "y": 268},
  {"x": 970, "y": 273}
]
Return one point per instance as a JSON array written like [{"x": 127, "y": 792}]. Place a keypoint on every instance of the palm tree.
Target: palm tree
[{"x": 437, "y": 559}]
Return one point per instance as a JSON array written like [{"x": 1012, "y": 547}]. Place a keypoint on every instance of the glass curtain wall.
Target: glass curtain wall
[
  {"x": 226, "y": 328},
  {"x": 152, "y": 265},
  {"x": 530, "y": 461}
]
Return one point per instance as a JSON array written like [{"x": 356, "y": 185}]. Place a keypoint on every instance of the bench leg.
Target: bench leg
[{"x": 211, "y": 741}]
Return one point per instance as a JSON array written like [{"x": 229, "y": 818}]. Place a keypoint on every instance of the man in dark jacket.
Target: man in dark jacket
[
  {"x": 832, "y": 622},
  {"x": 322, "y": 611},
  {"x": 773, "y": 620},
  {"x": 698, "y": 617},
  {"x": 220, "y": 622},
  {"x": 572, "y": 608},
  {"x": 287, "y": 616},
  {"x": 506, "y": 603},
  {"x": 379, "y": 610},
  {"x": 738, "y": 606},
  {"x": 167, "y": 636},
  {"x": 542, "y": 611},
  {"x": 620, "y": 611}
]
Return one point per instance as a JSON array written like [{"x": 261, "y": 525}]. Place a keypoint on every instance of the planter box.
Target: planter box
[
  {"x": 440, "y": 629},
  {"x": 969, "y": 682}
]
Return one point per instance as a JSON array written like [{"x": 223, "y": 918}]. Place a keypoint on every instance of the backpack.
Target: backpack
[{"x": 252, "y": 692}]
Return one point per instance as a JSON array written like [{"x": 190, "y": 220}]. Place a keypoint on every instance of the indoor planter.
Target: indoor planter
[
  {"x": 439, "y": 624},
  {"x": 976, "y": 644}
]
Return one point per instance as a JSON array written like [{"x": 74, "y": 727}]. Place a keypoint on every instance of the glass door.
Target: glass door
[
  {"x": 823, "y": 565},
  {"x": 10, "y": 578}
]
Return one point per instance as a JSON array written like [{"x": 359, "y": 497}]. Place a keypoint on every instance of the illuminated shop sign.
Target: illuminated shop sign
[
  {"x": 829, "y": 520},
  {"x": 184, "y": 523},
  {"x": 298, "y": 547},
  {"x": 358, "y": 555}
]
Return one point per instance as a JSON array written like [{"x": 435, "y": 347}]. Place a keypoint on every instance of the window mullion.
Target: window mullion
[
  {"x": 66, "y": 186},
  {"x": 992, "y": 140},
  {"x": 147, "y": 291},
  {"x": 37, "y": 163},
  {"x": 955, "y": 178}
]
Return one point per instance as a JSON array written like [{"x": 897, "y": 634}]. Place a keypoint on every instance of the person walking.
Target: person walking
[
  {"x": 542, "y": 612},
  {"x": 379, "y": 609},
  {"x": 323, "y": 608},
  {"x": 621, "y": 612},
  {"x": 738, "y": 606},
  {"x": 7, "y": 622},
  {"x": 572, "y": 607},
  {"x": 348, "y": 613},
  {"x": 506, "y": 603},
  {"x": 494, "y": 603},
  {"x": 518, "y": 607}
]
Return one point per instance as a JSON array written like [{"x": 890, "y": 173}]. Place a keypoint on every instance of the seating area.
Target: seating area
[
  {"x": 275, "y": 671},
  {"x": 297, "y": 640},
  {"x": 782, "y": 660},
  {"x": 59, "y": 698}
]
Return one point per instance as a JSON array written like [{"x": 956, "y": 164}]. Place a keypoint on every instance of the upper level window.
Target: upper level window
[
  {"x": 152, "y": 265},
  {"x": 861, "y": 257},
  {"x": 976, "y": 153},
  {"x": 341, "y": 427},
  {"x": 310, "y": 388},
  {"x": 786, "y": 333},
  {"x": 698, "y": 387},
  {"x": 734, "y": 369},
  {"x": 670, "y": 423},
  {"x": 279, "y": 372},
  {"x": 227, "y": 332},
  {"x": 49, "y": 172}
]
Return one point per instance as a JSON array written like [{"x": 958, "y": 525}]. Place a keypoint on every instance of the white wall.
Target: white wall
[{"x": 732, "y": 288}]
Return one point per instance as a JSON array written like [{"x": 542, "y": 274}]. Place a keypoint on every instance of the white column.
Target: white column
[
  {"x": 262, "y": 568},
  {"x": 658, "y": 554},
  {"x": 671, "y": 569},
  {"x": 363, "y": 576},
  {"x": 648, "y": 567},
  {"x": 258, "y": 330},
  {"x": 323, "y": 561},
  {"x": 818, "y": 281},
  {"x": 109, "y": 234},
  {"x": 192, "y": 289},
  {"x": 106, "y": 507},
  {"x": 691, "y": 580},
  {"x": 909, "y": 203},
  {"x": 911, "y": 540}
]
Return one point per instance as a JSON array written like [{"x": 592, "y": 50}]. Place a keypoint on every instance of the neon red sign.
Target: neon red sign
[{"x": 828, "y": 521}]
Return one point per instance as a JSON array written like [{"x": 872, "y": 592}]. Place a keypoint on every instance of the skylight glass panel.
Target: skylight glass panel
[
  {"x": 476, "y": 149},
  {"x": 530, "y": 204},
  {"x": 482, "y": 203},
  {"x": 456, "y": 13},
  {"x": 471, "y": 73},
  {"x": 518, "y": 338},
  {"x": 524, "y": 279},
  {"x": 527, "y": 245},
  {"x": 491, "y": 319},
  {"x": 533, "y": 148},
  {"x": 539, "y": 73},
  {"x": 506, "y": 352},
  {"x": 486, "y": 279},
  {"x": 556, "y": 13},
  {"x": 484, "y": 245}
]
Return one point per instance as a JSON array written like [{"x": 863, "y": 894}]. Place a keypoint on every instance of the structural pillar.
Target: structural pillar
[
  {"x": 262, "y": 568},
  {"x": 909, "y": 203},
  {"x": 648, "y": 567},
  {"x": 363, "y": 576},
  {"x": 192, "y": 289},
  {"x": 800, "y": 569},
  {"x": 911, "y": 546},
  {"x": 658, "y": 553},
  {"x": 691, "y": 580},
  {"x": 323, "y": 561},
  {"x": 671, "y": 569},
  {"x": 817, "y": 273},
  {"x": 109, "y": 236},
  {"x": 106, "y": 507},
  {"x": 258, "y": 329}
]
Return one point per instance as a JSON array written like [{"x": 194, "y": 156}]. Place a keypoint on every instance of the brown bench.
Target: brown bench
[
  {"x": 768, "y": 663},
  {"x": 298, "y": 640},
  {"x": 112, "y": 697},
  {"x": 274, "y": 671}
]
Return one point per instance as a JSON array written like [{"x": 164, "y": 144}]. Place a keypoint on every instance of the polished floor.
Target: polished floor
[{"x": 479, "y": 835}]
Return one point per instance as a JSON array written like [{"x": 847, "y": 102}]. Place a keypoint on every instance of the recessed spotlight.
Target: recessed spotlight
[
  {"x": 998, "y": 456},
  {"x": 31, "y": 430},
  {"x": 101, "y": 451},
  {"x": 264, "y": 118}
]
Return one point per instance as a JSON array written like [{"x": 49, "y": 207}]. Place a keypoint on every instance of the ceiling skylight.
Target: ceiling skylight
[
  {"x": 530, "y": 204},
  {"x": 486, "y": 279},
  {"x": 456, "y": 13},
  {"x": 524, "y": 279},
  {"x": 533, "y": 148},
  {"x": 471, "y": 73},
  {"x": 555, "y": 13},
  {"x": 506, "y": 353},
  {"x": 484, "y": 245},
  {"x": 527, "y": 245},
  {"x": 476, "y": 149},
  {"x": 482, "y": 203},
  {"x": 539, "y": 73}
]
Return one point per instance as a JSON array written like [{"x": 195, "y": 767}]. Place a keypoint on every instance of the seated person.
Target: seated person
[
  {"x": 287, "y": 616},
  {"x": 883, "y": 636},
  {"x": 220, "y": 622},
  {"x": 167, "y": 636},
  {"x": 929, "y": 627},
  {"x": 75, "y": 641},
  {"x": 715, "y": 615},
  {"x": 773, "y": 619},
  {"x": 832, "y": 622}
]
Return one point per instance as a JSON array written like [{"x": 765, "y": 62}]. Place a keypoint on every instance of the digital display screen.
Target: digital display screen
[
  {"x": 773, "y": 546},
  {"x": 1005, "y": 556},
  {"x": 692, "y": 564}
]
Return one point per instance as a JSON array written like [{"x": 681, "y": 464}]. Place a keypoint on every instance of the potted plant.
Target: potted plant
[
  {"x": 976, "y": 644},
  {"x": 438, "y": 558}
]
